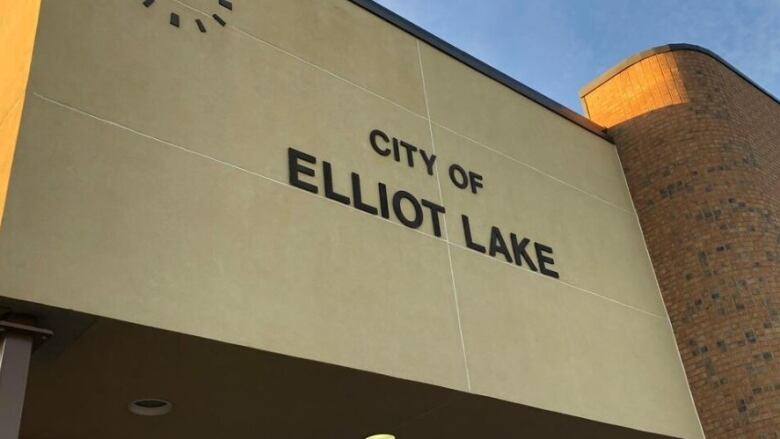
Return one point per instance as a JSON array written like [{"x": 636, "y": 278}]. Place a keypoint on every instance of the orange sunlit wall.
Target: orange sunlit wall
[
  {"x": 652, "y": 83},
  {"x": 18, "y": 22}
]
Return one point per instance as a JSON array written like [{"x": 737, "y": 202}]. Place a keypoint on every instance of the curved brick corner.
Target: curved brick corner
[{"x": 700, "y": 146}]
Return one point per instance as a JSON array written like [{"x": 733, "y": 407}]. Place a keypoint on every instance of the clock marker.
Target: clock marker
[{"x": 175, "y": 18}]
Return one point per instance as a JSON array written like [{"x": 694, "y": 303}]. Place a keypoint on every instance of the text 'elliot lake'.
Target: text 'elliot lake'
[{"x": 316, "y": 176}]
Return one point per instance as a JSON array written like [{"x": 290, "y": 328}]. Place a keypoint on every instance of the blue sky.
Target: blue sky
[{"x": 557, "y": 46}]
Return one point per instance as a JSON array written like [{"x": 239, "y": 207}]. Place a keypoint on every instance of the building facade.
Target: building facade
[
  {"x": 314, "y": 219},
  {"x": 699, "y": 146}
]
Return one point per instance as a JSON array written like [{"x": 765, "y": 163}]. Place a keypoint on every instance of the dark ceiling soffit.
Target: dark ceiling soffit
[
  {"x": 420, "y": 33},
  {"x": 631, "y": 60}
]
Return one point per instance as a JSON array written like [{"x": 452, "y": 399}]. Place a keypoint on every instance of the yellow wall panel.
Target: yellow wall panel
[{"x": 18, "y": 23}]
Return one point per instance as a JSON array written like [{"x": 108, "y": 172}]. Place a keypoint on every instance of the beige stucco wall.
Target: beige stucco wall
[{"x": 150, "y": 185}]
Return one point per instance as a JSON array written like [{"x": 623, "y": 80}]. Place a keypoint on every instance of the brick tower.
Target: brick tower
[{"x": 700, "y": 145}]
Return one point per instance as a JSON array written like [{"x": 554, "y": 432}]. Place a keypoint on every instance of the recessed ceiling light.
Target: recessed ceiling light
[
  {"x": 381, "y": 436},
  {"x": 150, "y": 407}
]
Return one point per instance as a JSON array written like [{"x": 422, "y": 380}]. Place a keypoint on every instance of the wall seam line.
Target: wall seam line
[
  {"x": 307, "y": 62},
  {"x": 11, "y": 108},
  {"x": 444, "y": 222},
  {"x": 533, "y": 168},
  {"x": 667, "y": 318}
]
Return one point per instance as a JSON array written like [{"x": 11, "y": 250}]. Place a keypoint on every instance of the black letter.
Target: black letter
[
  {"x": 329, "y": 192},
  {"x": 385, "y": 210},
  {"x": 498, "y": 245},
  {"x": 429, "y": 161},
  {"x": 418, "y": 219},
  {"x": 544, "y": 260},
  {"x": 476, "y": 181},
  {"x": 467, "y": 231},
  {"x": 358, "y": 197},
  {"x": 520, "y": 253},
  {"x": 410, "y": 149},
  {"x": 435, "y": 211},
  {"x": 293, "y": 155},
  {"x": 453, "y": 168},
  {"x": 372, "y": 138}
]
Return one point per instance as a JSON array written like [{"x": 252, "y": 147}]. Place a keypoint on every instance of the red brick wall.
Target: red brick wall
[{"x": 701, "y": 151}]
